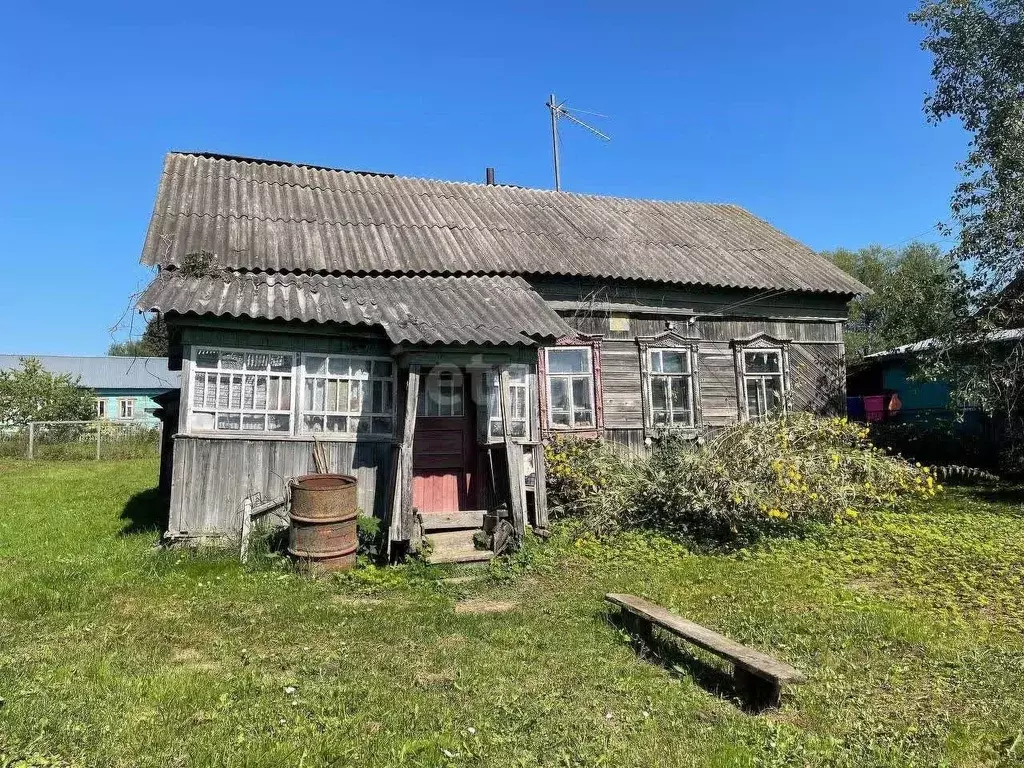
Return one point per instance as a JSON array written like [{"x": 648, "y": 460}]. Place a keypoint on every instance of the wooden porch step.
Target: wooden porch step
[
  {"x": 455, "y": 547},
  {"x": 441, "y": 521}
]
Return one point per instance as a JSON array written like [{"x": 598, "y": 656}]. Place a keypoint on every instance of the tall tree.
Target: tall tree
[
  {"x": 917, "y": 294},
  {"x": 154, "y": 342},
  {"x": 978, "y": 68},
  {"x": 31, "y": 393}
]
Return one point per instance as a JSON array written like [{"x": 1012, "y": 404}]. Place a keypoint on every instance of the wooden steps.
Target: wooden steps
[{"x": 450, "y": 537}]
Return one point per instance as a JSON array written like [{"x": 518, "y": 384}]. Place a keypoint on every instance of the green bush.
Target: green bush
[{"x": 735, "y": 485}]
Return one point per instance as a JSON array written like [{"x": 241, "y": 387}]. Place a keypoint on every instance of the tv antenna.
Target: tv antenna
[{"x": 561, "y": 111}]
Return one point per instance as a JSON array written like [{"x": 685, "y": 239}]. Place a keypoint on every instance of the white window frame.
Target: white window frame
[
  {"x": 348, "y": 434},
  {"x": 126, "y": 407},
  {"x": 101, "y": 407},
  {"x": 690, "y": 378},
  {"x": 494, "y": 423},
  {"x": 747, "y": 378},
  {"x": 195, "y": 368},
  {"x": 569, "y": 377}
]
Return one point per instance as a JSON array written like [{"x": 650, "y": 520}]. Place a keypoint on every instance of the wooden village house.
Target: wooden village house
[{"x": 433, "y": 334}]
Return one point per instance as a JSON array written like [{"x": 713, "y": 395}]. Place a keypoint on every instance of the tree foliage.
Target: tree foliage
[
  {"x": 917, "y": 293},
  {"x": 31, "y": 393},
  {"x": 154, "y": 342}
]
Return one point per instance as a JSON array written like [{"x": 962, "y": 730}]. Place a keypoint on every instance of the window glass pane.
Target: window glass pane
[
  {"x": 337, "y": 423},
  {"x": 762, "y": 362},
  {"x": 559, "y": 389},
  {"x": 518, "y": 428},
  {"x": 679, "y": 386},
  {"x": 382, "y": 369},
  {"x": 228, "y": 421},
  {"x": 313, "y": 423},
  {"x": 583, "y": 417},
  {"x": 199, "y": 388},
  {"x": 223, "y": 391},
  {"x": 278, "y": 422},
  {"x": 659, "y": 393},
  {"x": 280, "y": 363},
  {"x": 674, "y": 362},
  {"x": 256, "y": 361},
  {"x": 254, "y": 422},
  {"x": 274, "y": 394},
  {"x": 560, "y": 418},
  {"x": 307, "y": 388},
  {"x": 362, "y": 426},
  {"x": 231, "y": 361},
  {"x": 315, "y": 365},
  {"x": 568, "y": 360},
  {"x": 360, "y": 368},
  {"x": 382, "y": 425},
  {"x": 286, "y": 394},
  {"x": 773, "y": 388},
  {"x": 660, "y": 417},
  {"x": 682, "y": 418},
  {"x": 207, "y": 358},
  {"x": 202, "y": 422},
  {"x": 754, "y": 401},
  {"x": 319, "y": 391},
  {"x": 332, "y": 395},
  {"x": 655, "y": 362},
  {"x": 581, "y": 393},
  {"x": 338, "y": 366}
]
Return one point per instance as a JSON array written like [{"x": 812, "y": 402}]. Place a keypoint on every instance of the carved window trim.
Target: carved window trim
[
  {"x": 669, "y": 340},
  {"x": 767, "y": 343},
  {"x": 580, "y": 340}
]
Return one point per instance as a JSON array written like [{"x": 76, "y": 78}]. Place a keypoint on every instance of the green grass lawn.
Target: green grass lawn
[{"x": 112, "y": 653}]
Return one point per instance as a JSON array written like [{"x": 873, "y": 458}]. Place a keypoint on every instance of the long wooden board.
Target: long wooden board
[{"x": 755, "y": 662}]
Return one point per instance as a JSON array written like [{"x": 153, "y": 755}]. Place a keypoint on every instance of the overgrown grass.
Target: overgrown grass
[{"x": 115, "y": 654}]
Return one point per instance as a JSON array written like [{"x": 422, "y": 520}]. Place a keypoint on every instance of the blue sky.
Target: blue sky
[{"x": 806, "y": 113}]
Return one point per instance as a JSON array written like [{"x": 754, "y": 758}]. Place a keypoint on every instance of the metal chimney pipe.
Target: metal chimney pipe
[{"x": 490, "y": 177}]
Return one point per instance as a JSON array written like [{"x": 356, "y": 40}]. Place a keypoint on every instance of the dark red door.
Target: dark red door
[{"x": 443, "y": 446}]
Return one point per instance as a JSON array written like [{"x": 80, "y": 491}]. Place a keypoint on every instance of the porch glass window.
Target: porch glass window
[
  {"x": 763, "y": 383},
  {"x": 671, "y": 387},
  {"x": 101, "y": 407},
  {"x": 518, "y": 401},
  {"x": 570, "y": 375},
  {"x": 441, "y": 394},
  {"x": 347, "y": 395},
  {"x": 241, "y": 391}
]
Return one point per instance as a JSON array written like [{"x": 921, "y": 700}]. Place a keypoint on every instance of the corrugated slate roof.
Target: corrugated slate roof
[
  {"x": 106, "y": 372},
  {"x": 269, "y": 216},
  {"x": 425, "y": 310}
]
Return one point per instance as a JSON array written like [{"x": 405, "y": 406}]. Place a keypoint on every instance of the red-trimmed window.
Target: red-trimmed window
[{"x": 570, "y": 386}]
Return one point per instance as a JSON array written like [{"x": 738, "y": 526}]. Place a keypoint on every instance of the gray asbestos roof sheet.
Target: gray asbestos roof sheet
[
  {"x": 106, "y": 372},
  {"x": 270, "y": 216},
  {"x": 422, "y": 310}
]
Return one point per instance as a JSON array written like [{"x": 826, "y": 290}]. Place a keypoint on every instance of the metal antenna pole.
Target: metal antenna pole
[{"x": 553, "y": 107}]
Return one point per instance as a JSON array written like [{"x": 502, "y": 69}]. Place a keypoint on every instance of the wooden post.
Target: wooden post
[
  {"x": 412, "y": 395},
  {"x": 513, "y": 461},
  {"x": 243, "y": 553},
  {"x": 540, "y": 489},
  {"x": 31, "y": 439}
]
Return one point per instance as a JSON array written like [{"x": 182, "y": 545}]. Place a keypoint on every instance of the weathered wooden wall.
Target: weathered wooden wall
[
  {"x": 212, "y": 476},
  {"x": 712, "y": 319}
]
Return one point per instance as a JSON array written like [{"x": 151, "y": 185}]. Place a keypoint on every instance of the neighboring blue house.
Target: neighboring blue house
[{"x": 124, "y": 386}]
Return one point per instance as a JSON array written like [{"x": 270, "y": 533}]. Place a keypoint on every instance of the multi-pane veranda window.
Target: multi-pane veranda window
[
  {"x": 762, "y": 383},
  {"x": 342, "y": 394},
  {"x": 518, "y": 402},
  {"x": 238, "y": 391},
  {"x": 671, "y": 387},
  {"x": 570, "y": 375},
  {"x": 441, "y": 394}
]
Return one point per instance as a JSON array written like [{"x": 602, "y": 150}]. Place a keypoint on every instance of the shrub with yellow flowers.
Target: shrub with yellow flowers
[{"x": 738, "y": 483}]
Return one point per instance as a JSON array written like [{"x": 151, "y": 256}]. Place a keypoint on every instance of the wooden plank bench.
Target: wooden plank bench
[{"x": 759, "y": 675}]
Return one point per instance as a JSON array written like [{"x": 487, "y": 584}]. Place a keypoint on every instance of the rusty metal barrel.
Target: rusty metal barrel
[{"x": 322, "y": 534}]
